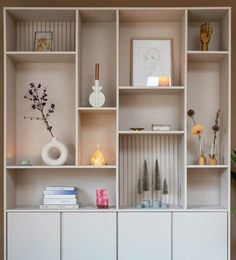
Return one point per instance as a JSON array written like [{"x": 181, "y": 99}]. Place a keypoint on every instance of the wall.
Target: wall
[{"x": 116, "y": 3}]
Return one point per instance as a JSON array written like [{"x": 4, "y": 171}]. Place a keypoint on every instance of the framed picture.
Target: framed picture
[
  {"x": 151, "y": 62},
  {"x": 43, "y": 41}
]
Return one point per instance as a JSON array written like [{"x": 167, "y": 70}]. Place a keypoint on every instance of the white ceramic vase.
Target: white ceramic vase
[{"x": 54, "y": 144}]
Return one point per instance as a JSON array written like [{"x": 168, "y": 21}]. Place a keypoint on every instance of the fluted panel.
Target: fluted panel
[
  {"x": 134, "y": 149},
  {"x": 63, "y": 38}
]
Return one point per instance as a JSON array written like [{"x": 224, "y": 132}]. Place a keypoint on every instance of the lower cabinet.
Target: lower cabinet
[
  {"x": 144, "y": 236},
  {"x": 33, "y": 236},
  {"x": 89, "y": 236},
  {"x": 200, "y": 236},
  {"x": 141, "y": 236}
]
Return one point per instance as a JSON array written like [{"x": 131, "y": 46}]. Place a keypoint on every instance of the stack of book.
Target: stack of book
[{"x": 60, "y": 197}]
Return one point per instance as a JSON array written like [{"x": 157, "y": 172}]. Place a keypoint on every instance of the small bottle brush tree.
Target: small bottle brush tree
[
  {"x": 146, "y": 185},
  {"x": 157, "y": 185},
  {"x": 38, "y": 99},
  {"x": 139, "y": 194},
  {"x": 165, "y": 195}
]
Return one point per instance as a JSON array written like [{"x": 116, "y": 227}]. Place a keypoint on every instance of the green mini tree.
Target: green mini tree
[
  {"x": 139, "y": 187},
  {"x": 145, "y": 177},
  {"x": 165, "y": 187},
  {"x": 157, "y": 177}
]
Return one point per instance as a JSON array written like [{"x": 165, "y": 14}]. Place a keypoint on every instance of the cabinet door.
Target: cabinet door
[
  {"x": 200, "y": 236},
  {"x": 89, "y": 236},
  {"x": 33, "y": 236},
  {"x": 144, "y": 236}
]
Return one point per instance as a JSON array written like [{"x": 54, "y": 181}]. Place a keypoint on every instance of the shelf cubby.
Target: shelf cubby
[
  {"x": 207, "y": 188},
  {"x": 134, "y": 149},
  {"x": 97, "y": 44},
  {"x": 151, "y": 24},
  {"x": 97, "y": 129},
  {"x": 26, "y": 138},
  {"x": 23, "y": 23},
  {"x": 143, "y": 110},
  {"x": 219, "y": 20},
  {"x": 207, "y": 92},
  {"x": 25, "y": 187}
]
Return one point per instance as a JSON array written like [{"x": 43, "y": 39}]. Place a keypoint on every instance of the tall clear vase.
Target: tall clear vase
[{"x": 201, "y": 157}]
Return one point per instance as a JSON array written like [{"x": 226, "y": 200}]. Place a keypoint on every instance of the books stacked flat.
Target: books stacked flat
[{"x": 65, "y": 197}]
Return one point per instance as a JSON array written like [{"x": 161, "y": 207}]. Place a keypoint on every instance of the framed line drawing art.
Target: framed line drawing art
[
  {"x": 151, "y": 61},
  {"x": 43, "y": 41}
]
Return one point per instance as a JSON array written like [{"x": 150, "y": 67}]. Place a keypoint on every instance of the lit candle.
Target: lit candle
[{"x": 164, "y": 81}]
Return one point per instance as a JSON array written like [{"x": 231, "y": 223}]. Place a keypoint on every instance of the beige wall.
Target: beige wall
[{"x": 112, "y": 3}]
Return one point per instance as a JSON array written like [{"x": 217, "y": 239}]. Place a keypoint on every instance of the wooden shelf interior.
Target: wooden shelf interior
[
  {"x": 22, "y": 25},
  {"x": 25, "y": 187},
  {"x": 151, "y": 24},
  {"x": 97, "y": 43},
  {"x": 219, "y": 20},
  {"x": 134, "y": 150},
  {"x": 143, "y": 110},
  {"x": 97, "y": 130},
  {"x": 207, "y": 92},
  {"x": 26, "y": 138},
  {"x": 207, "y": 188}
]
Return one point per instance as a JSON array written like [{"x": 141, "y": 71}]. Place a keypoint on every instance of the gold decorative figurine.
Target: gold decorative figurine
[{"x": 206, "y": 31}]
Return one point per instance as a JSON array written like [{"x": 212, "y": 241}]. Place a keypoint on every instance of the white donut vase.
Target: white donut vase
[{"x": 54, "y": 143}]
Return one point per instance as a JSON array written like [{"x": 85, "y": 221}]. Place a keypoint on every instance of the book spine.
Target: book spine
[
  {"x": 58, "y": 196},
  {"x": 59, "y": 201},
  {"x": 53, "y": 188},
  {"x": 60, "y": 192}
]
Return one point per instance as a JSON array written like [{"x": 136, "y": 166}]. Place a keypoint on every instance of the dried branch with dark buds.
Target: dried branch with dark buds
[{"x": 38, "y": 100}]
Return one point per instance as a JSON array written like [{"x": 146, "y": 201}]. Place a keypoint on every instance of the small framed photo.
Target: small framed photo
[
  {"x": 151, "y": 62},
  {"x": 43, "y": 41}
]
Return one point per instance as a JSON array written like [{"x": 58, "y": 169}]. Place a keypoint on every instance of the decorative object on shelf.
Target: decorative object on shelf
[
  {"x": 215, "y": 128},
  {"x": 156, "y": 200},
  {"x": 164, "y": 81},
  {"x": 206, "y": 32},
  {"x": 60, "y": 197},
  {"x": 137, "y": 129},
  {"x": 197, "y": 130},
  {"x": 102, "y": 199},
  {"x": 165, "y": 196},
  {"x": 97, "y": 98},
  {"x": 146, "y": 187},
  {"x": 39, "y": 102},
  {"x": 139, "y": 204},
  {"x": 54, "y": 144},
  {"x": 25, "y": 163},
  {"x": 43, "y": 41},
  {"x": 98, "y": 158},
  {"x": 151, "y": 62},
  {"x": 161, "y": 127}
]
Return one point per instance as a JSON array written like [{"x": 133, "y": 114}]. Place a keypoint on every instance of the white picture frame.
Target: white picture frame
[{"x": 151, "y": 59}]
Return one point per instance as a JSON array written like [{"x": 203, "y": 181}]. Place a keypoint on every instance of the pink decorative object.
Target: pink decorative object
[{"x": 102, "y": 199}]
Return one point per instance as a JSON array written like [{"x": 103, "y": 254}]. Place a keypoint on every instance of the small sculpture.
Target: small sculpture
[
  {"x": 97, "y": 98},
  {"x": 139, "y": 195},
  {"x": 146, "y": 187},
  {"x": 165, "y": 196},
  {"x": 98, "y": 158},
  {"x": 206, "y": 31},
  {"x": 157, "y": 187}
]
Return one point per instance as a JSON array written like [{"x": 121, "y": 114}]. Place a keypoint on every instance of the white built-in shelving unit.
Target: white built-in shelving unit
[{"x": 199, "y": 195}]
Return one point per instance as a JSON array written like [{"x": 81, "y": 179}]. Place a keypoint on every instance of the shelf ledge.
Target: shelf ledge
[
  {"x": 151, "y": 132},
  {"x": 42, "y": 57}
]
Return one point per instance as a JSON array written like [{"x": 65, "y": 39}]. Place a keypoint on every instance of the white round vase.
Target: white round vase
[{"x": 54, "y": 143}]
